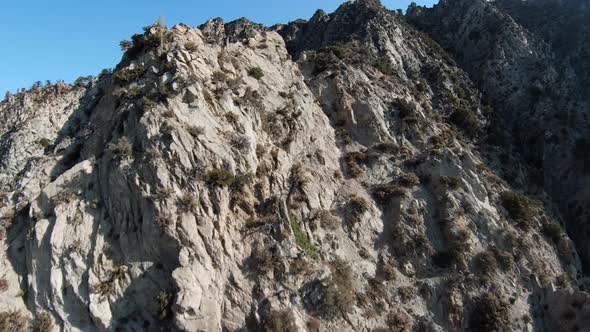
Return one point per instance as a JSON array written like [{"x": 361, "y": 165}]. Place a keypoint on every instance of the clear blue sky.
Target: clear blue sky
[{"x": 64, "y": 39}]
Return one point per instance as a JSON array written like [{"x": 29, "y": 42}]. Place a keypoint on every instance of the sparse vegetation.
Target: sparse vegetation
[
  {"x": 383, "y": 193},
  {"x": 188, "y": 203},
  {"x": 127, "y": 75},
  {"x": 263, "y": 259},
  {"x": 302, "y": 240},
  {"x": 42, "y": 323},
  {"x": 486, "y": 262},
  {"x": 165, "y": 301},
  {"x": 327, "y": 219},
  {"x": 338, "y": 294},
  {"x": 357, "y": 206},
  {"x": 195, "y": 131},
  {"x": 451, "y": 182},
  {"x": 256, "y": 72},
  {"x": 254, "y": 223},
  {"x": 553, "y": 231},
  {"x": 465, "y": 119},
  {"x": 383, "y": 65},
  {"x": 490, "y": 313},
  {"x": 241, "y": 143},
  {"x": 3, "y": 284},
  {"x": 220, "y": 177},
  {"x": 399, "y": 321},
  {"x": 518, "y": 206},
  {"x": 282, "y": 321},
  {"x": 409, "y": 180},
  {"x": 13, "y": 321},
  {"x": 352, "y": 160},
  {"x": 190, "y": 46},
  {"x": 122, "y": 148},
  {"x": 44, "y": 143},
  {"x": 125, "y": 45},
  {"x": 405, "y": 108}
]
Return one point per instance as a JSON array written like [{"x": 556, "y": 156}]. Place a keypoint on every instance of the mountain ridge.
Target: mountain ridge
[{"x": 356, "y": 171}]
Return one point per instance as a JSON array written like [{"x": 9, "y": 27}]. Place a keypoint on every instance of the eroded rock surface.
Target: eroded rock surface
[{"x": 330, "y": 174}]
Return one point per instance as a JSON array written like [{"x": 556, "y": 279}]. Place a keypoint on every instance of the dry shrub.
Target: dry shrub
[
  {"x": 338, "y": 293},
  {"x": 489, "y": 313},
  {"x": 327, "y": 219},
  {"x": 13, "y": 321},
  {"x": 42, "y": 323},
  {"x": 357, "y": 206},
  {"x": 399, "y": 321},
  {"x": 282, "y": 320},
  {"x": 314, "y": 324},
  {"x": 188, "y": 203},
  {"x": 383, "y": 193}
]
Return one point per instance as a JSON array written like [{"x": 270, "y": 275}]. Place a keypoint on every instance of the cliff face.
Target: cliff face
[
  {"x": 330, "y": 174},
  {"x": 529, "y": 61}
]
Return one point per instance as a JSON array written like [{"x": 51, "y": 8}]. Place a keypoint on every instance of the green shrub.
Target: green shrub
[
  {"x": 405, "y": 108},
  {"x": 43, "y": 142},
  {"x": 518, "y": 205},
  {"x": 421, "y": 86},
  {"x": 125, "y": 45},
  {"x": 302, "y": 240},
  {"x": 133, "y": 92},
  {"x": 256, "y": 72},
  {"x": 127, "y": 75},
  {"x": 465, "y": 119},
  {"x": 505, "y": 259},
  {"x": 553, "y": 231},
  {"x": 383, "y": 65}
]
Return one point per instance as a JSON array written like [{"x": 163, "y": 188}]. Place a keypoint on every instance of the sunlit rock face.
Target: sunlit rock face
[{"x": 360, "y": 171}]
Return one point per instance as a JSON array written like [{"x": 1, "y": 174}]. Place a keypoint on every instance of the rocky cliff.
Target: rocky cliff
[{"x": 360, "y": 171}]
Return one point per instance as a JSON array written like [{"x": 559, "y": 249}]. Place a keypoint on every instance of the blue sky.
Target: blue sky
[{"x": 64, "y": 39}]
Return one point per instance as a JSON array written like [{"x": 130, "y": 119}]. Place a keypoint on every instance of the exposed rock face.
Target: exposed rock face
[
  {"x": 528, "y": 59},
  {"x": 326, "y": 175}
]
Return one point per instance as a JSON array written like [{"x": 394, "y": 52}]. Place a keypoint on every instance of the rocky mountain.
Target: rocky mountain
[{"x": 361, "y": 171}]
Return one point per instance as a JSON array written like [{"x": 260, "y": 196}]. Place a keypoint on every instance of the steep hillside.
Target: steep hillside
[
  {"x": 530, "y": 61},
  {"x": 323, "y": 175}
]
